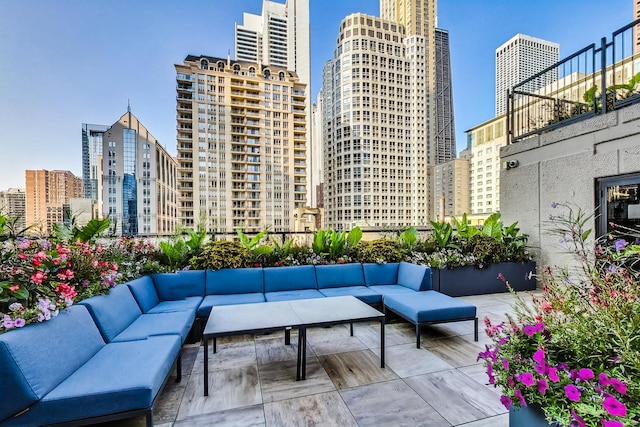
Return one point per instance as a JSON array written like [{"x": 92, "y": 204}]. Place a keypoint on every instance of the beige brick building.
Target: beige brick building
[{"x": 48, "y": 194}]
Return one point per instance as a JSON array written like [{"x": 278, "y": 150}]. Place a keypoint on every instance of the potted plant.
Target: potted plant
[{"x": 575, "y": 353}]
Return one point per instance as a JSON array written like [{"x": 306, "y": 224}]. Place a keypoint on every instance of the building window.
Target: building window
[{"x": 618, "y": 199}]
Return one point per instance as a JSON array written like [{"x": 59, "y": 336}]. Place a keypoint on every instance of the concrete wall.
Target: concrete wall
[{"x": 562, "y": 166}]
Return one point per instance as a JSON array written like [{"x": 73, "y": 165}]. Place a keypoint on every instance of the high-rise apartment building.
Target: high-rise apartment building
[
  {"x": 13, "y": 205},
  {"x": 279, "y": 37},
  {"x": 48, "y": 194},
  {"x": 139, "y": 180},
  {"x": 636, "y": 30},
  {"x": 242, "y": 144},
  {"x": 518, "y": 59},
  {"x": 92, "y": 160},
  {"x": 445, "y": 130},
  {"x": 375, "y": 126},
  {"x": 451, "y": 188}
]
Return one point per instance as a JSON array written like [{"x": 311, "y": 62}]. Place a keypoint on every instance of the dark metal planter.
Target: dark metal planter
[
  {"x": 529, "y": 416},
  {"x": 470, "y": 280}
]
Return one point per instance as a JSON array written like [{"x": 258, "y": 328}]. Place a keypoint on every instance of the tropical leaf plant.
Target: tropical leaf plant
[
  {"x": 408, "y": 238},
  {"x": 442, "y": 232}
]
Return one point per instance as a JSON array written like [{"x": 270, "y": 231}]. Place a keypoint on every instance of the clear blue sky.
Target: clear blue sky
[{"x": 68, "y": 62}]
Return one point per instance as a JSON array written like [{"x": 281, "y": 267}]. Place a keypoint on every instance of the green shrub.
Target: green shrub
[
  {"x": 222, "y": 254},
  {"x": 381, "y": 250},
  {"x": 486, "y": 249}
]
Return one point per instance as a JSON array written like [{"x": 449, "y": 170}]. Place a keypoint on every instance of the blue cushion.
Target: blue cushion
[
  {"x": 179, "y": 285},
  {"x": 334, "y": 276},
  {"x": 175, "y": 323},
  {"x": 391, "y": 289},
  {"x": 361, "y": 292},
  {"x": 120, "y": 377},
  {"x": 144, "y": 292},
  {"x": 289, "y": 278},
  {"x": 381, "y": 274},
  {"x": 413, "y": 276},
  {"x": 430, "y": 306},
  {"x": 214, "y": 300},
  {"x": 290, "y": 295},
  {"x": 234, "y": 281},
  {"x": 113, "y": 312},
  {"x": 38, "y": 357},
  {"x": 187, "y": 304}
]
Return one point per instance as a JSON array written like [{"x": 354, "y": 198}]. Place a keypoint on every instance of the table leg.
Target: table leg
[
  {"x": 287, "y": 336},
  {"x": 382, "y": 343},
  {"x": 299, "y": 362},
  {"x": 304, "y": 353},
  {"x": 206, "y": 366}
]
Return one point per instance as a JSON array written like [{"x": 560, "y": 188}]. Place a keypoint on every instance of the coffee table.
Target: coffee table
[{"x": 228, "y": 320}]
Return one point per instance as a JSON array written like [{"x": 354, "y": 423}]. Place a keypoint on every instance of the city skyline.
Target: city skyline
[{"x": 74, "y": 62}]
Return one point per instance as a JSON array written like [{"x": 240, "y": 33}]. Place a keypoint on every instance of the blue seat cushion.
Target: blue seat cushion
[
  {"x": 414, "y": 276},
  {"x": 37, "y": 358},
  {"x": 290, "y": 295},
  {"x": 120, "y": 377},
  {"x": 215, "y": 300},
  {"x": 234, "y": 281},
  {"x": 380, "y": 274},
  {"x": 430, "y": 306},
  {"x": 112, "y": 321},
  {"x": 144, "y": 292},
  {"x": 385, "y": 290},
  {"x": 188, "y": 304},
  {"x": 175, "y": 323},
  {"x": 289, "y": 278},
  {"x": 179, "y": 285},
  {"x": 337, "y": 275},
  {"x": 363, "y": 293}
]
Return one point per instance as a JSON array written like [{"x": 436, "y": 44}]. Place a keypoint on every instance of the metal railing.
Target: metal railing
[{"x": 571, "y": 89}]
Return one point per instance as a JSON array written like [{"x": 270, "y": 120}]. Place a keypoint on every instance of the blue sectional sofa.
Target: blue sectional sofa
[{"x": 108, "y": 357}]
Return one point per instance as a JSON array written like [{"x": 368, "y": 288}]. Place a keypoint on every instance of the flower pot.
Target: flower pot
[
  {"x": 529, "y": 416},
  {"x": 470, "y": 280}
]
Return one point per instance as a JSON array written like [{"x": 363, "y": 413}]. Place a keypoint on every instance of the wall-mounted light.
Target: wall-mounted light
[{"x": 510, "y": 164}]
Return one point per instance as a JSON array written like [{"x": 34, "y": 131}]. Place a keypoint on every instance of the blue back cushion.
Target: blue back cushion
[
  {"x": 144, "y": 292},
  {"x": 113, "y": 312},
  {"x": 413, "y": 276},
  {"x": 38, "y": 357},
  {"x": 289, "y": 278},
  {"x": 234, "y": 281},
  {"x": 339, "y": 275},
  {"x": 179, "y": 285},
  {"x": 381, "y": 274}
]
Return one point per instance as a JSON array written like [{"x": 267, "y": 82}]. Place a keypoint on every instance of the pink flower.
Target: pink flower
[
  {"x": 518, "y": 394},
  {"x": 538, "y": 356},
  {"x": 505, "y": 401},
  {"x": 526, "y": 378},
  {"x": 19, "y": 323},
  {"x": 611, "y": 423},
  {"x": 529, "y": 330},
  {"x": 614, "y": 407},
  {"x": 553, "y": 375},
  {"x": 579, "y": 420},
  {"x": 618, "y": 385},
  {"x": 585, "y": 374},
  {"x": 501, "y": 277},
  {"x": 14, "y": 288},
  {"x": 543, "y": 386},
  {"x": 572, "y": 392},
  {"x": 505, "y": 364},
  {"x": 603, "y": 379}
]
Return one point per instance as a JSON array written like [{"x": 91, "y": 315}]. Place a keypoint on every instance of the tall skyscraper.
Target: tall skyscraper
[
  {"x": 636, "y": 29},
  {"x": 445, "y": 130},
  {"x": 280, "y": 37},
  {"x": 13, "y": 205},
  {"x": 375, "y": 126},
  {"x": 242, "y": 144},
  {"x": 91, "y": 160},
  {"x": 139, "y": 180},
  {"x": 518, "y": 59},
  {"x": 48, "y": 194}
]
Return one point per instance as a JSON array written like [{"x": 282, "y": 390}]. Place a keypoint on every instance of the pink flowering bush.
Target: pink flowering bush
[{"x": 576, "y": 350}]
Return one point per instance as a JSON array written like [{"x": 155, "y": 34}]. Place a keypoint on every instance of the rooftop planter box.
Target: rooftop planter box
[{"x": 471, "y": 280}]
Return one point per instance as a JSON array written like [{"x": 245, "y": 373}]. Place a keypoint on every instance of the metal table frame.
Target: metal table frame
[{"x": 294, "y": 314}]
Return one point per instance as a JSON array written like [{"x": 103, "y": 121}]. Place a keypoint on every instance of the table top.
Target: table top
[{"x": 266, "y": 316}]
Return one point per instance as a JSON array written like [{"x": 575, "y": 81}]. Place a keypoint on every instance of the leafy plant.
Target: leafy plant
[
  {"x": 258, "y": 251},
  {"x": 379, "y": 251},
  {"x": 409, "y": 238},
  {"x": 222, "y": 254},
  {"x": 86, "y": 233},
  {"x": 463, "y": 229},
  {"x": 442, "y": 232},
  {"x": 333, "y": 244}
]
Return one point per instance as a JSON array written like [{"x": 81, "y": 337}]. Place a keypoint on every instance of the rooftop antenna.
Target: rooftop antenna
[{"x": 128, "y": 106}]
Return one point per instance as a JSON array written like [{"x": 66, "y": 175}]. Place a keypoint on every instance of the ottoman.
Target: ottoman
[{"x": 422, "y": 308}]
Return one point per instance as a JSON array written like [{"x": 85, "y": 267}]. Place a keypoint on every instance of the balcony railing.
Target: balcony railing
[{"x": 572, "y": 89}]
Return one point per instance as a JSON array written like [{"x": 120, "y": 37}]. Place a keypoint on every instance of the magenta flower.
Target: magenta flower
[
  {"x": 618, "y": 385},
  {"x": 585, "y": 374},
  {"x": 579, "y": 420},
  {"x": 611, "y": 423},
  {"x": 538, "y": 356},
  {"x": 505, "y": 363},
  {"x": 517, "y": 393},
  {"x": 510, "y": 381},
  {"x": 526, "y": 378},
  {"x": 540, "y": 369},
  {"x": 553, "y": 375},
  {"x": 543, "y": 386},
  {"x": 572, "y": 392},
  {"x": 614, "y": 407},
  {"x": 530, "y": 330},
  {"x": 505, "y": 401},
  {"x": 603, "y": 379}
]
